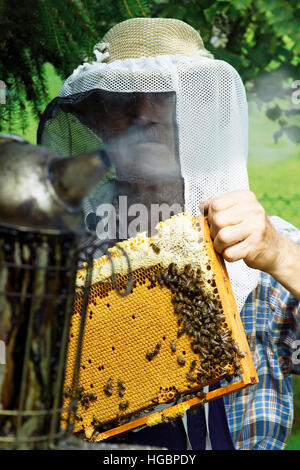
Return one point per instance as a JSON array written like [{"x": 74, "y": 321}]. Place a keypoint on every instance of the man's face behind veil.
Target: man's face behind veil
[{"x": 139, "y": 131}]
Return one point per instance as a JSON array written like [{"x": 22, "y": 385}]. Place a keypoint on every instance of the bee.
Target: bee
[
  {"x": 197, "y": 286},
  {"x": 123, "y": 405},
  {"x": 95, "y": 434},
  {"x": 203, "y": 340},
  {"x": 178, "y": 309},
  {"x": 155, "y": 248},
  {"x": 121, "y": 384},
  {"x": 174, "y": 270},
  {"x": 238, "y": 372},
  {"x": 189, "y": 330},
  {"x": 214, "y": 344},
  {"x": 205, "y": 332},
  {"x": 201, "y": 370},
  {"x": 200, "y": 394},
  {"x": 193, "y": 365},
  {"x": 150, "y": 355},
  {"x": 180, "y": 361},
  {"x": 84, "y": 399},
  {"x": 78, "y": 417},
  {"x": 108, "y": 387},
  {"x": 242, "y": 354},
  {"x": 221, "y": 317},
  {"x": 158, "y": 346},
  {"x": 180, "y": 332},
  {"x": 237, "y": 350},
  {"x": 188, "y": 397},
  {"x": 186, "y": 312},
  {"x": 228, "y": 355},
  {"x": 153, "y": 279},
  {"x": 198, "y": 324},
  {"x": 148, "y": 410},
  {"x": 196, "y": 348},
  {"x": 80, "y": 392},
  {"x": 173, "y": 346},
  {"x": 67, "y": 392},
  {"x": 188, "y": 269},
  {"x": 110, "y": 382},
  {"x": 92, "y": 396},
  {"x": 190, "y": 378},
  {"x": 95, "y": 421},
  {"x": 225, "y": 334}
]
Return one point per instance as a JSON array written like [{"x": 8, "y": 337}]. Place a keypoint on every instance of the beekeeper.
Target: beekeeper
[{"x": 173, "y": 121}]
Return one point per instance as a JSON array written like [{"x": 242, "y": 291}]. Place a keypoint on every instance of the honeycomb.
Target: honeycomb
[{"x": 163, "y": 342}]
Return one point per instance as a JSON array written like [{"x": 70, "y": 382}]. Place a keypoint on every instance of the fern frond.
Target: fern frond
[{"x": 133, "y": 8}]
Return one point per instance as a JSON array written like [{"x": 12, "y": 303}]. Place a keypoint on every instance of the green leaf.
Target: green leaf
[
  {"x": 274, "y": 113},
  {"x": 211, "y": 12},
  {"x": 241, "y": 4},
  {"x": 133, "y": 8}
]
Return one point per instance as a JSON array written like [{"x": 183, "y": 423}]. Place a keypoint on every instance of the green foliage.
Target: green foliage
[
  {"x": 32, "y": 33},
  {"x": 260, "y": 38},
  {"x": 133, "y": 8}
]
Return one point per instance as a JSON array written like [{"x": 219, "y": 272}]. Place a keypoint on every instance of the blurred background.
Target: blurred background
[{"x": 42, "y": 41}]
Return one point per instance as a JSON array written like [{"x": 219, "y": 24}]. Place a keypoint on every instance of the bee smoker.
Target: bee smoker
[{"x": 41, "y": 247}]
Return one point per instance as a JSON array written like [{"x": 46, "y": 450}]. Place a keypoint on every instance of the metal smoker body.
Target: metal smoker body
[{"x": 41, "y": 239}]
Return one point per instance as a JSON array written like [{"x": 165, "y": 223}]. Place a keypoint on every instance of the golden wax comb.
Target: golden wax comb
[{"x": 177, "y": 331}]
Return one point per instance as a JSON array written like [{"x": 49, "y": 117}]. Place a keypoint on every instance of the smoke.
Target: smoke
[
  {"x": 145, "y": 153},
  {"x": 273, "y": 115}
]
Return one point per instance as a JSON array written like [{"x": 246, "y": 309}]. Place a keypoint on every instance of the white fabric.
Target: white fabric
[{"x": 212, "y": 120}]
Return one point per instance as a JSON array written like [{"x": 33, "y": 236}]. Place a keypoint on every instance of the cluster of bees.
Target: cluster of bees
[
  {"x": 108, "y": 390},
  {"x": 200, "y": 316},
  {"x": 84, "y": 398}
]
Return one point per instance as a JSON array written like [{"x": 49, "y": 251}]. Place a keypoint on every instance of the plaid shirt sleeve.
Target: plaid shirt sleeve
[
  {"x": 284, "y": 324},
  {"x": 261, "y": 416}
]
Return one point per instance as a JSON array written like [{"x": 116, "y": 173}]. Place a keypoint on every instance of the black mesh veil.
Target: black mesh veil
[
  {"x": 63, "y": 130},
  {"x": 138, "y": 133}
]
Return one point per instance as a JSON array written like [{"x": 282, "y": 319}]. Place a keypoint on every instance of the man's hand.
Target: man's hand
[{"x": 241, "y": 230}]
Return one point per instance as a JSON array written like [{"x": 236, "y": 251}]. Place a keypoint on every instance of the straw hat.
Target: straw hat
[{"x": 148, "y": 37}]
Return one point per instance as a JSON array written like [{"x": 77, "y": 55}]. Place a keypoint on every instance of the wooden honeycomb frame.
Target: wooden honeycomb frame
[{"x": 118, "y": 337}]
